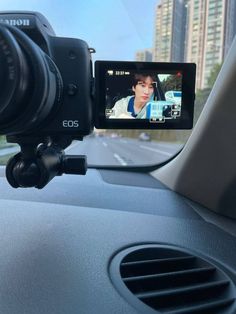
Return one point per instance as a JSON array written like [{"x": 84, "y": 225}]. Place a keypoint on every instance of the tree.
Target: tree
[
  {"x": 202, "y": 95},
  {"x": 173, "y": 82},
  {"x": 213, "y": 75}
]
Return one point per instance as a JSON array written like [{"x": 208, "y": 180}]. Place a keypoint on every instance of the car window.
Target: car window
[{"x": 129, "y": 30}]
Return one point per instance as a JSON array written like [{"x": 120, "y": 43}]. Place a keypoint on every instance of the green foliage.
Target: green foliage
[
  {"x": 2, "y": 140},
  {"x": 173, "y": 82},
  {"x": 4, "y": 159},
  {"x": 201, "y": 98},
  {"x": 203, "y": 94},
  {"x": 213, "y": 75}
]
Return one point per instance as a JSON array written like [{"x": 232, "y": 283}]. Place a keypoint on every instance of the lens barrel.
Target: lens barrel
[
  {"x": 30, "y": 83},
  {"x": 14, "y": 76}
]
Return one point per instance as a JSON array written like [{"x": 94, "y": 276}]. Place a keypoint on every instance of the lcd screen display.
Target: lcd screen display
[{"x": 144, "y": 95}]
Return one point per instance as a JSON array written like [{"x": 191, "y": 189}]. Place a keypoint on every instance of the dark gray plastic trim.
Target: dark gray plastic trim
[{"x": 116, "y": 278}]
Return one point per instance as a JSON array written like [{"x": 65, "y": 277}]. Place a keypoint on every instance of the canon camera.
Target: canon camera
[
  {"x": 46, "y": 81},
  {"x": 49, "y": 97},
  {"x": 48, "y": 89}
]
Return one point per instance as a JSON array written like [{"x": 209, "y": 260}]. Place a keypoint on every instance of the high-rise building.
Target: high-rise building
[
  {"x": 230, "y": 29},
  {"x": 214, "y": 37},
  {"x": 209, "y": 35},
  {"x": 169, "y": 35},
  {"x": 199, "y": 31},
  {"x": 144, "y": 55},
  {"x": 196, "y": 35}
]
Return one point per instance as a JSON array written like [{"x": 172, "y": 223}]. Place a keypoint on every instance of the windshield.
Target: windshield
[{"x": 198, "y": 31}]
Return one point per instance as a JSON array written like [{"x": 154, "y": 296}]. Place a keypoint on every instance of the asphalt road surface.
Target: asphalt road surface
[{"x": 122, "y": 151}]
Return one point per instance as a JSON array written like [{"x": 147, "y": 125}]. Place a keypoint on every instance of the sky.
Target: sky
[{"x": 115, "y": 28}]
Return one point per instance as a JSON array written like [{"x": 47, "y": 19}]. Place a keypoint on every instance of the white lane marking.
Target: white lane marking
[
  {"x": 156, "y": 150},
  {"x": 104, "y": 144},
  {"x": 123, "y": 141},
  {"x": 121, "y": 160}
]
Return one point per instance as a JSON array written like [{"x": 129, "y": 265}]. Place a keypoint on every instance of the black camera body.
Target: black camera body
[{"x": 47, "y": 80}]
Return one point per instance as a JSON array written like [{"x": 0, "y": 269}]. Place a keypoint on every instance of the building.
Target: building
[
  {"x": 169, "y": 37},
  {"x": 211, "y": 28},
  {"x": 144, "y": 55},
  {"x": 199, "y": 31},
  {"x": 230, "y": 29},
  {"x": 196, "y": 36}
]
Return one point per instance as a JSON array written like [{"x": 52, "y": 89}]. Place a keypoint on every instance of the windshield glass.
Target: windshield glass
[{"x": 198, "y": 31}]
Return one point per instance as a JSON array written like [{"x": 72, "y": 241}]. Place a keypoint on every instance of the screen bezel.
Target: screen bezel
[{"x": 188, "y": 94}]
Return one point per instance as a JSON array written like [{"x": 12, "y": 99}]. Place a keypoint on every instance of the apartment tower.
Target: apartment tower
[
  {"x": 143, "y": 55},
  {"x": 211, "y": 29},
  {"x": 169, "y": 36}
]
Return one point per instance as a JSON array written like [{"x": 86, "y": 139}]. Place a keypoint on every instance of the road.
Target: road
[
  {"x": 117, "y": 151},
  {"x": 9, "y": 150},
  {"x": 122, "y": 151}
]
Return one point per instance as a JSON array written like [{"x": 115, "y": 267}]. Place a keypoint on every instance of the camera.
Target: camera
[
  {"x": 48, "y": 87},
  {"x": 49, "y": 97},
  {"x": 46, "y": 81}
]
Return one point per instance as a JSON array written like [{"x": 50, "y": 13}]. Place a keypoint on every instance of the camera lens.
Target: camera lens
[
  {"x": 30, "y": 83},
  {"x": 14, "y": 76}
]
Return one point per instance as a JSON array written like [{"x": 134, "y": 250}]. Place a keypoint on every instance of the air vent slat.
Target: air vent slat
[
  {"x": 205, "y": 308},
  {"x": 159, "y": 260},
  {"x": 183, "y": 291},
  {"x": 151, "y": 267},
  {"x": 194, "y": 296},
  {"x": 170, "y": 280},
  {"x": 197, "y": 271}
]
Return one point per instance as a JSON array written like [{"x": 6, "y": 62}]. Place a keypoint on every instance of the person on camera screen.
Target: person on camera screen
[{"x": 131, "y": 107}]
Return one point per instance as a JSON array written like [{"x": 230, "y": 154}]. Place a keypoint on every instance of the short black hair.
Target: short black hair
[{"x": 141, "y": 76}]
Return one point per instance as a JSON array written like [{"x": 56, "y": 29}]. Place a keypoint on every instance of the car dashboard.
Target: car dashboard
[{"x": 58, "y": 244}]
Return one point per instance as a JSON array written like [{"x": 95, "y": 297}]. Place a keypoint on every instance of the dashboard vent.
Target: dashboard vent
[{"x": 171, "y": 280}]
